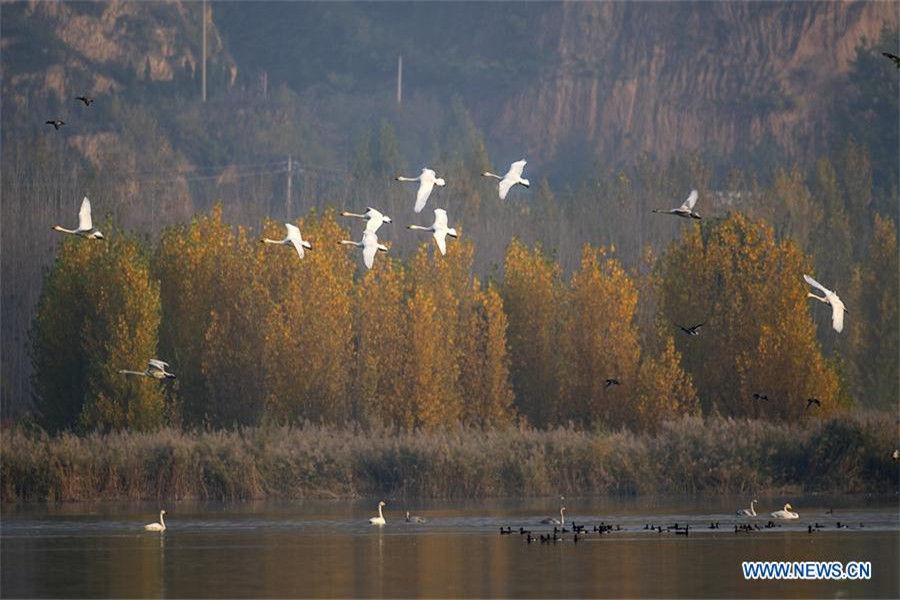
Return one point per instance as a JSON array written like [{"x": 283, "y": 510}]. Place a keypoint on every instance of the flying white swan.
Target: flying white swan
[
  {"x": 748, "y": 512},
  {"x": 686, "y": 210},
  {"x": 837, "y": 307},
  {"x": 415, "y": 519},
  {"x": 293, "y": 238},
  {"x": 512, "y": 177},
  {"x": 379, "y": 520},
  {"x": 375, "y": 219},
  {"x": 427, "y": 181},
  {"x": 439, "y": 229},
  {"x": 85, "y": 225},
  {"x": 785, "y": 513},
  {"x": 161, "y": 526},
  {"x": 370, "y": 246},
  {"x": 155, "y": 368},
  {"x": 555, "y": 521}
]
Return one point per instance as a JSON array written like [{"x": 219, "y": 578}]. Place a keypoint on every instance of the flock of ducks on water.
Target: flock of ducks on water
[{"x": 560, "y": 527}]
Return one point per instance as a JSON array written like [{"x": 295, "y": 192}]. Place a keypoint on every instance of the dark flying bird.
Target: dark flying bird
[
  {"x": 56, "y": 123},
  {"x": 610, "y": 382},
  {"x": 86, "y": 99},
  {"x": 894, "y": 59},
  {"x": 811, "y": 401},
  {"x": 695, "y": 330},
  {"x": 760, "y": 397}
]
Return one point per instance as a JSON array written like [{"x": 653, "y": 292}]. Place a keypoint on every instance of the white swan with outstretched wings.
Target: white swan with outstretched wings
[
  {"x": 686, "y": 210},
  {"x": 439, "y": 229},
  {"x": 293, "y": 239},
  {"x": 85, "y": 224},
  {"x": 512, "y": 177},
  {"x": 837, "y": 306},
  {"x": 427, "y": 180}
]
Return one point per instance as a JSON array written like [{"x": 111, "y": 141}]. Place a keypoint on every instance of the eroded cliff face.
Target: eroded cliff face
[{"x": 663, "y": 78}]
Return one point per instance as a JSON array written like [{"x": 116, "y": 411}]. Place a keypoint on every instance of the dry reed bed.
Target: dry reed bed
[{"x": 691, "y": 455}]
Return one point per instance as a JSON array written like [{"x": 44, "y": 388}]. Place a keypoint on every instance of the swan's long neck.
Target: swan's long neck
[
  {"x": 64, "y": 230},
  {"x": 488, "y": 174},
  {"x": 162, "y": 521},
  {"x": 352, "y": 243},
  {"x": 380, "y": 514},
  {"x": 268, "y": 241},
  {"x": 350, "y": 214},
  {"x": 562, "y": 516},
  {"x": 126, "y": 372},
  {"x": 752, "y": 510},
  {"x": 420, "y": 228},
  {"x": 408, "y": 178}
]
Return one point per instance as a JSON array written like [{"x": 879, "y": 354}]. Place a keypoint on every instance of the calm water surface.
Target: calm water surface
[{"x": 328, "y": 549}]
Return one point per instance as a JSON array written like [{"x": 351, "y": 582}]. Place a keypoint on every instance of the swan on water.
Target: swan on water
[
  {"x": 553, "y": 520},
  {"x": 293, "y": 239},
  {"x": 512, "y": 177},
  {"x": 748, "y": 512},
  {"x": 785, "y": 513},
  {"x": 439, "y": 229},
  {"x": 161, "y": 526},
  {"x": 427, "y": 181},
  {"x": 155, "y": 368},
  {"x": 370, "y": 246},
  {"x": 837, "y": 307},
  {"x": 379, "y": 520},
  {"x": 686, "y": 210},
  {"x": 85, "y": 225},
  {"x": 414, "y": 518},
  {"x": 374, "y": 218}
]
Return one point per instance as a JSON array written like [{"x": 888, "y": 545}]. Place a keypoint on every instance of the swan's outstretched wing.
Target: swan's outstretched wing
[
  {"x": 370, "y": 248},
  {"x": 515, "y": 169},
  {"x": 155, "y": 363},
  {"x": 425, "y": 186},
  {"x": 837, "y": 316},
  {"x": 505, "y": 184},
  {"x": 84, "y": 216},
  {"x": 440, "y": 218},
  {"x": 440, "y": 236},
  {"x": 691, "y": 201},
  {"x": 295, "y": 238},
  {"x": 816, "y": 284}
]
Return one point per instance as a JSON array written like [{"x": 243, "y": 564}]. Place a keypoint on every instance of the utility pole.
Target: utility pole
[
  {"x": 287, "y": 196},
  {"x": 203, "y": 68},
  {"x": 400, "y": 79}
]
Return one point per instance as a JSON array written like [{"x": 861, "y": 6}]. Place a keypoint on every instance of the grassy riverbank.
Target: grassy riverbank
[{"x": 691, "y": 455}]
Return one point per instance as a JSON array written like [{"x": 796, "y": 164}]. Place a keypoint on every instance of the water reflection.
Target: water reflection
[{"x": 330, "y": 550}]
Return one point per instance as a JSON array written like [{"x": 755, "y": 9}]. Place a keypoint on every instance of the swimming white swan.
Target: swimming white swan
[
  {"x": 375, "y": 218},
  {"x": 785, "y": 513},
  {"x": 85, "y": 225},
  {"x": 427, "y": 181},
  {"x": 293, "y": 238},
  {"x": 686, "y": 210},
  {"x": 155, "y": 368},
  {"x": 555, "y": 521},
  {"x": 439, "y": 229},
  {"x": 370, "y": 246},
  {"x": 161, "y": 526},
  {"x": 379, "y": 520},
  {"x": 837, "y": 307},
  {"x": 748, "y": 512},
  {"x": 512, "y": 177},
  {"x": 414, "y": 518}
]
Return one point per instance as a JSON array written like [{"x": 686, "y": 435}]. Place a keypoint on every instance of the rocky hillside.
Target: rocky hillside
[{"x": 719, "y": 77}]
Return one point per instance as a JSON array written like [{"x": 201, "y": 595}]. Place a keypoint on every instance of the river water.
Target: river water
[{"x": 328, "y": 549}]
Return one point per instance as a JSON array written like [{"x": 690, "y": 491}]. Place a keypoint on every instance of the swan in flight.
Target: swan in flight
[
  {"x": 686, "y": 210},
  {"x": 439, "y": 229},
  {"x": 785, "y": 513},
  {"x": 415, "y": 519},
  {"x": 837, "y": 307},
  {"x": 57, "y": 123},
  {"x": 370, "y": 246},
  {"x": 748, "y": 512},
  {"x": 553, "y": 520},
  {"x": 694, "y": 330},
  {"x": 427, "y": 181},
  {"x": 161, "y": 526},
  {"x": 85, "y": 225},
  {"x": 373, "y": 217},
  {"x": 155, "y": 368},
  {"x": 512, "y": 177},
  {"x": 293, "y": 238},
  {"x": 379, "y": 520}
]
